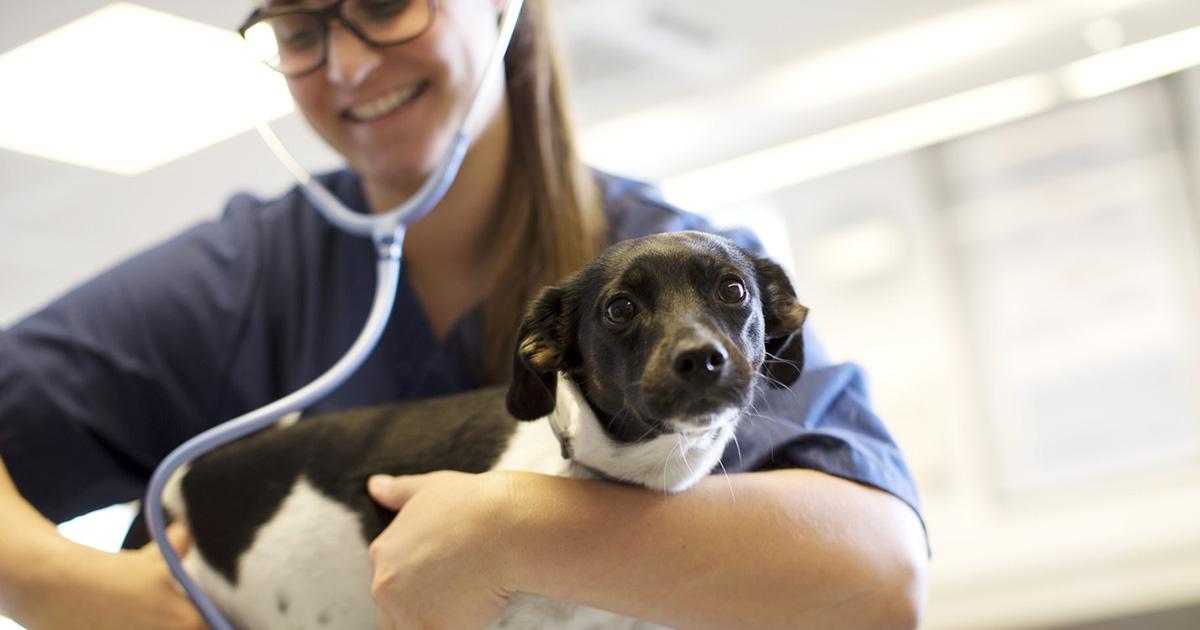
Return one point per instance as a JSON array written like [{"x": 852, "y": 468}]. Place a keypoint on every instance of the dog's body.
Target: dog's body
[
  {"x": 307, "y": 561},
  {"x": 637, "y": 369}
]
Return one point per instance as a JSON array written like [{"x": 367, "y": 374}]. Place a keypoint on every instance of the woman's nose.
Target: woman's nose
[{"x": 350, "y": 59}]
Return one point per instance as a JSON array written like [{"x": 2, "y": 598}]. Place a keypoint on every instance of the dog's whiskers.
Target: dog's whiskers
[
  {"x": 623, "y": 415},
  {"x": 682, "y": 453},
  {"x": 725, "y": 473},
  {"x": 670, "y": 456},
  {"x": 628, "y": 413},
  {"x": 779, "y": 385},
  {"x": 756, "y": 395},
  {"x": 666, "y": 467},
  {"x": 751, "y": 415},
  {"x": 645, "y": 435},
  {"x": 771, "y": 358},
  {"x": 760, "y": 416}
]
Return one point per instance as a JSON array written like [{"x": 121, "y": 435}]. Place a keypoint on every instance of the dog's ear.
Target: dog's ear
[
  {"x": 783, "y": 320},
  {"x": 541, "y": 345}
]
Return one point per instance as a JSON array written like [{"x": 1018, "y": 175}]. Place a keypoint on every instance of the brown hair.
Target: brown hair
[{"x": 551, "y": 220}]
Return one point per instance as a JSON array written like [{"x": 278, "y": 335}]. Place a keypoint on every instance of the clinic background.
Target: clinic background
[{"x": 994, "y": 206}]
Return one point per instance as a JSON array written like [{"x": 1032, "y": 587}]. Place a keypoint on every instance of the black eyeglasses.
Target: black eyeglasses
[{"x": 295, "y": 41}]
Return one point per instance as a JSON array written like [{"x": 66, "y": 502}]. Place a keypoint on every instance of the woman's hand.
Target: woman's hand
[
  {"x": 444, "y": 562},
  {"x": 81, "y": 587}
]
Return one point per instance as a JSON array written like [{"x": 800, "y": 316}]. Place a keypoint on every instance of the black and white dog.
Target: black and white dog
[{"x": 636, "y": 369}]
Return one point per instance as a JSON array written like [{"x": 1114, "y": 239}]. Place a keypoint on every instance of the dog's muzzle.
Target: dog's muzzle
[{"x": 694, "y": 378}]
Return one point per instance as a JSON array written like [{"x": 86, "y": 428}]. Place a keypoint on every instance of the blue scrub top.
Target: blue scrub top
[{"x": 96, "y": 388}]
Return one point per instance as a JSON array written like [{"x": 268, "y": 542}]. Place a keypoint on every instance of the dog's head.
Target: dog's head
[{"x": 662, "y": 334}]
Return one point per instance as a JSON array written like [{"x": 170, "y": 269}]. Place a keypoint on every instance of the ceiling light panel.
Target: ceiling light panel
[{"x": 126, "y": 88}]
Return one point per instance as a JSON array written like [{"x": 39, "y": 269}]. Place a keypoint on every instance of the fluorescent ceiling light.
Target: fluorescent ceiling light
[
  {"x": 895, "y": 57},
  {"x": 810, "y": 157},
  {"x": 126, "y": 88},
  {"x": 1125, "y": 67},
  {"x": 870, "y": 65},
  {"x": 807, "y": 158}
]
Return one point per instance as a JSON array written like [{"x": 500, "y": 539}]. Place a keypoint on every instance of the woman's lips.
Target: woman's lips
[{"x": 377, "y": 108}]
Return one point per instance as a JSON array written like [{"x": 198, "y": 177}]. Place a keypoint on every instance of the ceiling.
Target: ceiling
[{"x": 670, "y": 45}]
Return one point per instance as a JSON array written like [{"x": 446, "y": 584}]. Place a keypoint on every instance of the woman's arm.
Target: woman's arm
[
  {"x": 781, "y": 549},
  {"x": 47, "y": 581},
  {"x": 27, "y": 539}
]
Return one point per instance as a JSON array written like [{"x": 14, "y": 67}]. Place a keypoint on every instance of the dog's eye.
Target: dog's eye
[
  {"x": 620, "y": 310},
  {"x": 732, "y": 291}
]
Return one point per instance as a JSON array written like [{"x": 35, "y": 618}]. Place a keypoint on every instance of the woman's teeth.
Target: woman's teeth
[{"x": 384, "y": 105}]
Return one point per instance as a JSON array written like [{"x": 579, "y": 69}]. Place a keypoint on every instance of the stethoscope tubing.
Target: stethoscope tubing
[
  {"x": 388, "y": 270},
  {"x": 387, "y": 231}
]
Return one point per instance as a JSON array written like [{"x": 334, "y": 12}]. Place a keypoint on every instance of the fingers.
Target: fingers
[
  {"x": 180, "y": 538},
  {"x": 393, "y": 492}
]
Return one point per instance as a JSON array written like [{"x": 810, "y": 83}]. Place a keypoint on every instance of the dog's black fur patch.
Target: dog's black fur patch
[{"x": 233, "y": 491}]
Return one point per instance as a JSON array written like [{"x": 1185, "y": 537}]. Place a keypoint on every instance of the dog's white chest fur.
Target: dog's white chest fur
[{"x": 308, "y": 566}]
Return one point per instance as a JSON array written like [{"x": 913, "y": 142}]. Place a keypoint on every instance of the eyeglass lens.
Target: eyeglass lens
[{"x": 294, "y": 43}]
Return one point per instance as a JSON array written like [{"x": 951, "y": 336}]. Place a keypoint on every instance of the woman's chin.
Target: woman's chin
[{"x": 392, "y": 184}]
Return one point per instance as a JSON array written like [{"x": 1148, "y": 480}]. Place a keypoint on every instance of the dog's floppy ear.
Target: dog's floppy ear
[
  {"x": 541, "y": 345},
  {"x": 783, "y": 318}
]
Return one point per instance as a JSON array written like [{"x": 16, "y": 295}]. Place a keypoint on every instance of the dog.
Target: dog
[{"x": 636, "y": 370}]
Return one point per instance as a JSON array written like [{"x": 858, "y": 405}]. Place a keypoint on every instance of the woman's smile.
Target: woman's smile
[{"x": 374, "y": 109}]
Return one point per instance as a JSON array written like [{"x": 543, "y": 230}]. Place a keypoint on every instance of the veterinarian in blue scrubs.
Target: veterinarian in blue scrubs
[{"x": 816, "y": 526}]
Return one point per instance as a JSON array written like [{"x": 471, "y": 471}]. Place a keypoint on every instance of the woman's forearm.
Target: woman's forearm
[
  {"x": 784, "y": 549},
  {"x": 47, "y": 581},
  {"x": 27, "y": 539}
]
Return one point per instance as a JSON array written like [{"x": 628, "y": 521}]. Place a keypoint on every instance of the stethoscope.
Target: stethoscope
[{"x": 387, "y": 233}]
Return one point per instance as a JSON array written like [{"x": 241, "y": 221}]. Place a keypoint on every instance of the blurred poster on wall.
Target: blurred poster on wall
[
  {"x": 868, "y": 251},
  {"x": 1076, "y": 258}
]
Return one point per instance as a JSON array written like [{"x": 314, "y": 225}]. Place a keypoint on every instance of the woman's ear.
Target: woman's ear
[
  {"x": 783, "y": 320},
  {"x": 541, "y": 345}
]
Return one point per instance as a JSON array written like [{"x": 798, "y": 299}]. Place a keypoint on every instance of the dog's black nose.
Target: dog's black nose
[{"x": 700, "y": 364}]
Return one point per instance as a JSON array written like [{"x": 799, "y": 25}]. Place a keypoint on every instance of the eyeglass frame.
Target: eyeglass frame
[{"x": 324, "y": 16}]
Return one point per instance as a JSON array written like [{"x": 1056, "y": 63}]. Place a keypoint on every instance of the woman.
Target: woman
[{"x": 813, "y": 529}]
